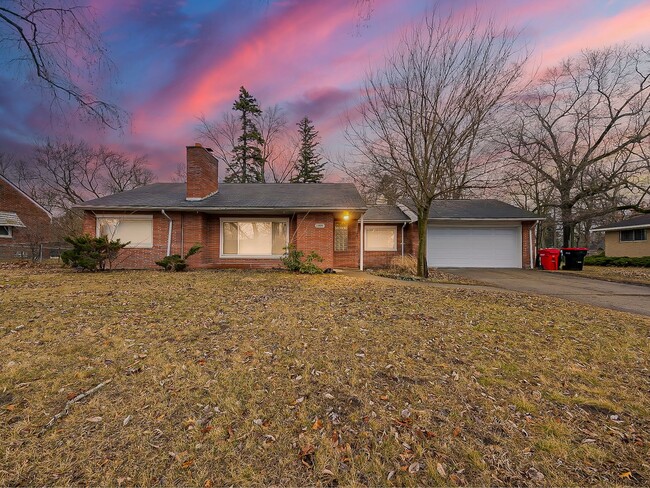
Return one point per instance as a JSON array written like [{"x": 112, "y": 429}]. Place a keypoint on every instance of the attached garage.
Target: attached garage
[
  {"x": 480, "y": 234},
  {"x": 460, "y": 234},
  {"x": 474, "y": 246}
]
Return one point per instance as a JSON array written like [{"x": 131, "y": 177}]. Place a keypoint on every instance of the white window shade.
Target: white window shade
[
  {"x": 380, "y": 238},
  {"x": 254, "y": 238},
  {"x": 135, "y": 229}
]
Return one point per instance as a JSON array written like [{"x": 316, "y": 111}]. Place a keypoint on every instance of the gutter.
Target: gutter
[
  {"x": 632, "y": 227},
  {"x": 169, "y": 233},
  {"x": 190, "y": 208}
]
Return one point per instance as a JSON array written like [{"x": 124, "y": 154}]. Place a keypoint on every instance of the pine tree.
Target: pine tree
[
  {"x": 248, "y": 163},
  {"x": 309, "y": 167}
]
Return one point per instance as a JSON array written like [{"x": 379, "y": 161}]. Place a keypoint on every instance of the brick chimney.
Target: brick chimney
[{"x": 202, "y": 173}]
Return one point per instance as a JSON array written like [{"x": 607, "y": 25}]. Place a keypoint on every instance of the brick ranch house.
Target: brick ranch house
[
  {"x": 24, "y": 224},
  {"x": 249, "y": 225}
]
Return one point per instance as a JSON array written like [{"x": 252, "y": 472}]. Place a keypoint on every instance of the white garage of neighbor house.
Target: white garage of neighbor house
[{"x": 474, "y": 234}]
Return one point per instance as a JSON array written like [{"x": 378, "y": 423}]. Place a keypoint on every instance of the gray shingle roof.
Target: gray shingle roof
[
  {"x": 234, "y": 196},
  {"x": 640, "y": 221},
  {"x": 488, "y": 209},
  {"x": 385, "y": 213},
  {"x": 10, "y": 219}
]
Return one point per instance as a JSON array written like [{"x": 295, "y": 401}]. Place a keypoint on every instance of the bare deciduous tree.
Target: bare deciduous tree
[
  {"x": 582, "y": 131},
  {"x": 65, "y": 173},
  {"x": 58, "y": 43},
  {"x": 426, "y": 113}
]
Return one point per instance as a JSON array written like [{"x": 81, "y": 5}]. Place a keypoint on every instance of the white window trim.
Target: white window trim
[
  {"x": 365, "y": 238},
  {"x": 620, "y": 235},
  {"x": 148, "y": 217},
  {"x": 250, "y": 219},
  {"x": 11, "y": 232}
]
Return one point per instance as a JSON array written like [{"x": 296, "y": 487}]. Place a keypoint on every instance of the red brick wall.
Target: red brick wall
[
  {"x": 525, "y": 243},
  {"x": 36, "y": 220},
  {"x": 190, "y": 228},
  {"x": 202, "y": 172},
  {"x": 379, "y": 259},
  {"x": 309, "y": 238},
  {"x": 143, "y": 258}
]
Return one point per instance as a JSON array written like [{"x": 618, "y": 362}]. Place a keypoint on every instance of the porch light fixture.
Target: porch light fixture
[{"x": 346, "y": 216}]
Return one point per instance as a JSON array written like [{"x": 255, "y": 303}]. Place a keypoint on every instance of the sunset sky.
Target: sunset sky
[{"x": 177, "y": 60}]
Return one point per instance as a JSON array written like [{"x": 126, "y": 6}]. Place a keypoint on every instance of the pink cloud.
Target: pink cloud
[{"x": 631, "y": 25}]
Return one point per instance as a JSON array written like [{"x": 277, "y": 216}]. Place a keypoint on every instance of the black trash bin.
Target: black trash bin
[{"x": 574, "y": 258}]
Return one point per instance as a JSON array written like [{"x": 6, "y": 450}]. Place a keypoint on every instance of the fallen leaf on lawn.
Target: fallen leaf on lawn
[
  {"x": 258, "y": 422},
  {"x": 335, "y": 437},
  {"x": 390, "y": 475},
  {"x": 457, "y": 431},
  {"x": 328, "y": 396},
  {"x": 318, "y": 424},
  {"x": 188, "y": 463},
  {"x": 11, "y": 408},
  {"x": 327, "y": 472},
  {"x": 626, "y": 475},
  {"x": 414, "y": 467},
  {"x": 207, "y": 483},
  {"x": 298, "y": 400},
  {"x": 126, "y": 420},
  {"x": 307, "y": 456},
  {"x": 385, "y": 397},
  {"x": 441, "y": 470},
  {"x": 406, "y": 413},
  {"x": 534, "y": 475},
  {"x": 94, "y": 420}
]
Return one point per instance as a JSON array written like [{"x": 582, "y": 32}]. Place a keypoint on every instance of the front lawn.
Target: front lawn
[
  {"x": 639, "y": 276},
  {"x": 239, "y": 378}
]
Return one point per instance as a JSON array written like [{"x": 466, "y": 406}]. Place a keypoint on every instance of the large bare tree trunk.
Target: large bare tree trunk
[{"x": 423, "y": 221}]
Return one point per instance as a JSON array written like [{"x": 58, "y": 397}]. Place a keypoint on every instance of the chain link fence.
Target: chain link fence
[{"x": 37, "y": 252}]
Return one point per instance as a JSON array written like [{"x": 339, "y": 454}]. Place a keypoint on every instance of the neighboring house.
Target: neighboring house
[
  {"x": 24, "y": 224},
  {"x": 628, "y": 237},
  {"x": 250, "y": 225}
]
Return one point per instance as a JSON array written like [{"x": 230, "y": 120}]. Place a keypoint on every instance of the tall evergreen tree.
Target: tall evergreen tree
[
  {"x": 309, "y": 167},
  {"x": 248, "y": 163}
]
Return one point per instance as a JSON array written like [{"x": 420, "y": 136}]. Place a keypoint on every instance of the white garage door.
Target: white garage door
[{"x": 474, "y": 247}]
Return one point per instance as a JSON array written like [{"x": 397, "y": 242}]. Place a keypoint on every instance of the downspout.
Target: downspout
[
  {"x": 403, "y": 225},
  {"x": 361, "y": 245},
  {"x": 169, "y": 233},
  {"x": 530, "y": 242}
]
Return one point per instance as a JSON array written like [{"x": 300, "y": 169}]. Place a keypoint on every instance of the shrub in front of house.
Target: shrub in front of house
[
  {"x": 296, "y": 261},
  {"x": 624, "y": 262},
  {"x": 91, "y": 253},
  {"x": 176, "y": 262}
]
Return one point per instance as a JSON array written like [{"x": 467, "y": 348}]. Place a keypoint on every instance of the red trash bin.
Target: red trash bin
[{"x": 549, "y": 259}]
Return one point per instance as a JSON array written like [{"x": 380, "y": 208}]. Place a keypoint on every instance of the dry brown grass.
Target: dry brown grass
[
  {"x": 405, "y": 268},
  {"x": 638, "y": 276},
  {"x": 269, "y": 378}
]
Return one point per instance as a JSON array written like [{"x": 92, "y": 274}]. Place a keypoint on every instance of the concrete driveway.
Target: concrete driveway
[{"x": 616, "y": 296}]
